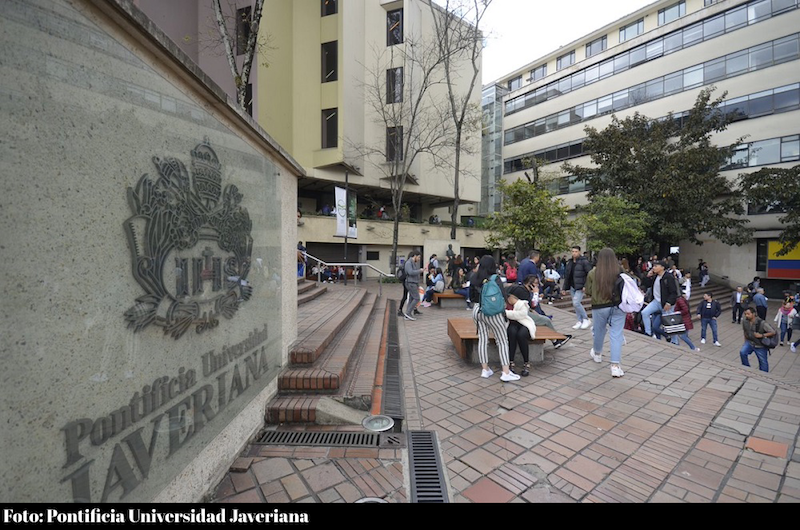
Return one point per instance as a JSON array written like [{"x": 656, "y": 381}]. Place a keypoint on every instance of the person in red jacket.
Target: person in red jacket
[{"x": 682, "y": 307}]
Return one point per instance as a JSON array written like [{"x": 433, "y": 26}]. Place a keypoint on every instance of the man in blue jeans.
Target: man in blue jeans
[
  {"x": 709, "y": 309},
  {"x": 665, "y": 293},
  {"x": 755, "y": 329},
  {"x": 574, "y": 280}
]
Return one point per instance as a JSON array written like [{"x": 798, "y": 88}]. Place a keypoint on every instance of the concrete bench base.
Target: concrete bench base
[
  {"x": 464, "y": 335},
  {"x": 449, "y": 299}
]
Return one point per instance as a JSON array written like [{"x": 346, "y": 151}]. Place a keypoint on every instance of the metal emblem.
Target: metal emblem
[{"x": 190, "y": 246}]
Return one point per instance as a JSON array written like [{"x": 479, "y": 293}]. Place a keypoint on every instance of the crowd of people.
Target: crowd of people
[{"x": 664, "y": 310}]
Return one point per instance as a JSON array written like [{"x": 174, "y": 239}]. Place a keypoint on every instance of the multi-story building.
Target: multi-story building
[
  {"x": 313, "y": 90},
  {"x": 655, "y": 61}
]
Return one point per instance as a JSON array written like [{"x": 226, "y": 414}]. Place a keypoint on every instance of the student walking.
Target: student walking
[
  {"x": 755, "y": 329},
  {"x": 784, "y": 318},
  {"x": 496, "y": 323},
  {"x": 574, "y": 281},
  {"x": 601, "y": 282},
  {"x": 709, "y": 309},
  {"x": 682, "y": 307},
  {"x": 411, "y": 283}
]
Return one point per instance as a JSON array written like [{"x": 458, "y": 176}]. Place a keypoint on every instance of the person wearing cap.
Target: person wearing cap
[{"x": 665, "y": 293}]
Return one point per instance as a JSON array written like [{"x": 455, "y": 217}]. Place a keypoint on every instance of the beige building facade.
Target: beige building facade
[{"x": 655, "y": 61}]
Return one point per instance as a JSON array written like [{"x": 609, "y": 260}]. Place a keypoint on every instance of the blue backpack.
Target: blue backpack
[{"x": 492, "y": 300}]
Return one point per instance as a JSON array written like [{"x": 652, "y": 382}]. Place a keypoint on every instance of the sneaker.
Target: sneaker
[
  {"x": 469, "y": 308},
  {"x": 577, "y": 326},
  {"x": 400, "y": 312},
  {"x": 561, "y": 342},
  {"x": 781, "y": 344},
  {"x": 586, "y": 324},
  {"x": 598, "y": 358},
  {"x": 408, "y": 317},
  {"x": 486, "y": 374},
  {"x": 702, "y": 341},
  {"x": 697, "y": 350},
  {"x": 526, "y": 370},
  {"x": 793, "y": 348},
  {"x": 510, "y": 376},
  {"x": 616, "y": 371},
  {"x": 549, "y": 302},
  {"x": 716, "y": 343},
  {"x": 417, "y": 312}
]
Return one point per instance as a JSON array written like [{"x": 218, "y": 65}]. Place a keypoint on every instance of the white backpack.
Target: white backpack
[{"x": 632, "y": 298}]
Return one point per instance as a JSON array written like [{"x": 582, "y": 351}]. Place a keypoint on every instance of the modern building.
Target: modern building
[
  {"x": 655, "y": 61},
  {"x": 326, "y": 75}
]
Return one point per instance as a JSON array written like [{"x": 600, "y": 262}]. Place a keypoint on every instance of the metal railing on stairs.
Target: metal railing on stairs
[{"x": 353, "y": 266}]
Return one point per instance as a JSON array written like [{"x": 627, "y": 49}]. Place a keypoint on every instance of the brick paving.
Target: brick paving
[{"x": 680, "y": 426}]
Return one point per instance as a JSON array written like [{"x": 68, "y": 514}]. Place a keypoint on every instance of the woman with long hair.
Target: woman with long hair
[
  {"x": 411, "y": 285},
  {"x": 487, "y": 267},
  {"x": 601, "y": 282}
]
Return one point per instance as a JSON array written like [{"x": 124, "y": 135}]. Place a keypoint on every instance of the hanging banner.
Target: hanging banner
[
  {"x": 346, "y": 214},
  {"x": 783, "y": 267}
]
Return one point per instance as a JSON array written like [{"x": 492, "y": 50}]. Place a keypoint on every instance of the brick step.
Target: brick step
[
  {"x": 328, "y": 372},
  {"x": 323, "y": 328},
  {"x": 292, "y": 409},
  {"x": 313, "y": 292},
  {"x": 304, "y": 287}
]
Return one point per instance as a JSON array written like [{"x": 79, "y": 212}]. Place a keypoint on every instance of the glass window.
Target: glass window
[
  {"x": 541, "y": 95},
  {"x": 589, "y": 110},
  {"x": 673, "y": 83},
  {"x": 655, "y": 49},
  {"x": 576, "y": 149},
  {"x": 736, "y": 63},
  {"x": 787, "y": 49},
  {"x": 693, "y": 77},
  {"x": 529, "y": 132},
  {"x": 565, "y": 84},
  {"x": 394, "y": 27},
  {"x": 515, "y": 83},
  {"x": 790, "y": 148},
  {"x": 739, "y": 157},
  {"x": 760, "y": 104},
  {"x": 631, "y": 30},
  {"x": 673, "y": 12},
  {"x": 713, "y": 27},
  {"x": 577, "y": 114},
  {"x": 738, "y": 108},
  {"x": 604, "y": 105},
  {"x": 673, "y": 43},
  {"x": 637, "y": 94},
  {"x": 242, "y": 29},
  {"x": 620, "y": 100},
  {"x": 578, "y": 80},
  {"x": 637, "y": 55},
  {"x": 508, "y": 137},
  {"x": 563, "y": 119},
  {"x": 780, "y": 5},
  {"x": 394, "y": 144},
  {"x": 736, "y": 18},
  {"x": 329, "y": 7},
  {"x": 621, "y": 62},
  {"x": 787, "y": 98},
  {"x": 713, "y": 70},
  {"x": 550, "y": 123},
  {"x": 394, "y": 85},
  {"x": 606, "y": 68},
  {"x": 563, "y": 152},
  {"x": 757, "y": 11},
  {"x": 654, "y": 89},
  {"x": 596, "y": 46},
  {"x": 592, "y": 73},
  {"x": 568, "y": 59},
  {"x": 539, "y": 72},
  {"x": 761, "y": 56},
  {"x": 330, "y": 128},
  {"x": 330, "y": 67},
  {"x": 765, "y": 152},
  {"x": 538, "y": 127}
]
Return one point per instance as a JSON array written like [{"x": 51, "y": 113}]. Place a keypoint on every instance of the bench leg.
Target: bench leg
[{"x": 536, "y": 349}]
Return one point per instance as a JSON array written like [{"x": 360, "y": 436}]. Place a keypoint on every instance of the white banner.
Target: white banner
[{"x": 346, "y": 214}]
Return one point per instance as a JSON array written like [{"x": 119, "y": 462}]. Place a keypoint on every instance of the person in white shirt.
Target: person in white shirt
[
  {"x": 551, "y": 279},
  {"x": 687, "y": 285}
]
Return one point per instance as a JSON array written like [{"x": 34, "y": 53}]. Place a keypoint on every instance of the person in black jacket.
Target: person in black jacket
[
  {"x": 709, "y": 309},
  {"x": 665, "y": 293},
  {"x": 574, "y": 280}
]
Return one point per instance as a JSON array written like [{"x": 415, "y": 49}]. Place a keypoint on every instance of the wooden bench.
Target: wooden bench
[
  {"x": 464, "y": 334},
  {"x": 447, "y": 294}
]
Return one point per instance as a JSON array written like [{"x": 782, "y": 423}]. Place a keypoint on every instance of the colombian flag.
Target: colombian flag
[{"x": 783, "y": 267}]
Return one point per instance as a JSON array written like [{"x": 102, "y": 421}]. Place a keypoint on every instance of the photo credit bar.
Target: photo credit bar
[{"x": 168, "y": 514}]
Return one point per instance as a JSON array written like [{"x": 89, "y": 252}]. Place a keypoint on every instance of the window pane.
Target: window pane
[
  {"x": 673, "y": 42},
  {"x": 565, "y": 85},
  {"x": 673, "y": 83},
  {"x": 655, "y": 49},
  {"x": 736, "y": 62},
  {"x": 576, "y": 149},
  {"x": 620, "y": 100},
  {"x": 592, "y": 74},
  {"x": 637, "y": 55},
  {"x": 654, "y": 89},
  {"x": 787, "y": 98},
  {"x": 330, "y": 128},
  {"x": 529, "y": 132},
  {"x": 693, "y": 77},
  {"x": 604, "y": 105},
  {"x": 538, "y": 127},
  {"x": 713, "y": 70},
  {"x": 760, "y": 56},
  {"x": 760, "y": 104},
  {"x": 738, "y": 109},
  {"x": 621, "y": 62},
  {"x": 550, "y": 123},
  {"x": 694, "y": 33},
  {"x": 757, "y": 11},
  {"x": 563, "y": 118},
  {"x": 780, "y": 5},
  {"x": 736, "y": 18},
  {"x": 739, "y": 158},
  {"x": 578, "y": 80},
  {"x": 765, "y": 152},
  {"x": 637, "y": 94},
  {"x": 787, "y": 49},
  {"x": 790, "y": 149},
  {"x": 329, "y": 61},
  {"x": 590, "y": 110},
  {"x": 394, "y": 27},
  {"x": 713, "y": 27},
  {"x": 606, "y": 68},
  {"x": 329, "y": 7},
  {"x": 563, "y": 153}
]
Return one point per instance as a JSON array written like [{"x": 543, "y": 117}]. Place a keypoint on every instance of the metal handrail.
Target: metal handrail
[{"x": 353, "y": 266}]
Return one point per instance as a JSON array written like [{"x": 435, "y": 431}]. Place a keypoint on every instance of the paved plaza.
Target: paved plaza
[{"x": 680, "y": 426}]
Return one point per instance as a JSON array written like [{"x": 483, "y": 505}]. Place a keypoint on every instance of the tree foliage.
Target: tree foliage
[
  {"x": 777, "y": 190},
  {"x": 615, "y": 223},
  {"x": 671, "y": 169},
  {"x": 531, "y": 217}
]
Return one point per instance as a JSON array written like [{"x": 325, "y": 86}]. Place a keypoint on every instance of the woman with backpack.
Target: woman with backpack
[
  {"x": 486, "y": 302},
  {"x": 511, "y": 269},
  {"x": 601, "y": 282}
]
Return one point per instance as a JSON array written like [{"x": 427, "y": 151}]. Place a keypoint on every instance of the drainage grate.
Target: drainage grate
[
  {"x": 427, "y": 480},
  {"x": 328, "y": 439},
  {"x": 392, "y": 384}
]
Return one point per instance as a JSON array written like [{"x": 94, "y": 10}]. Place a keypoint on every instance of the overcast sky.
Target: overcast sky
[{"x": 520, "y": 31}]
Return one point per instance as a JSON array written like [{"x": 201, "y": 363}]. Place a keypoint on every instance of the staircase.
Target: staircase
[
  {"x": 334, "y": 360},
  {"x": 722, "y": 294}
]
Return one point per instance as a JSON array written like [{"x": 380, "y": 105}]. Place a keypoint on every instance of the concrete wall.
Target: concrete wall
[{"x": 119, "y": 385}]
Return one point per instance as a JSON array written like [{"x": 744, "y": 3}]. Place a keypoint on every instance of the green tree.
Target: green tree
[
  {"x": 777, "y": 190},
  {"x": 672, "y": 170},
  {"x": 531, "y": 217},
  {"x": 615, "y": 223}
]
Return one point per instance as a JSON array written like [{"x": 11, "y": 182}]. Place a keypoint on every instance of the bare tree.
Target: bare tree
[
  {"x": 398, "y": 92},
  {"x": 460, "y": 42},
  {"x": 241, "y": 78}
]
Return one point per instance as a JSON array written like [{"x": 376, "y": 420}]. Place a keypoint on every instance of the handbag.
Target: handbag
[
  {"x": 768, "y": 342},
  {"x": 673, "y": 323}
]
